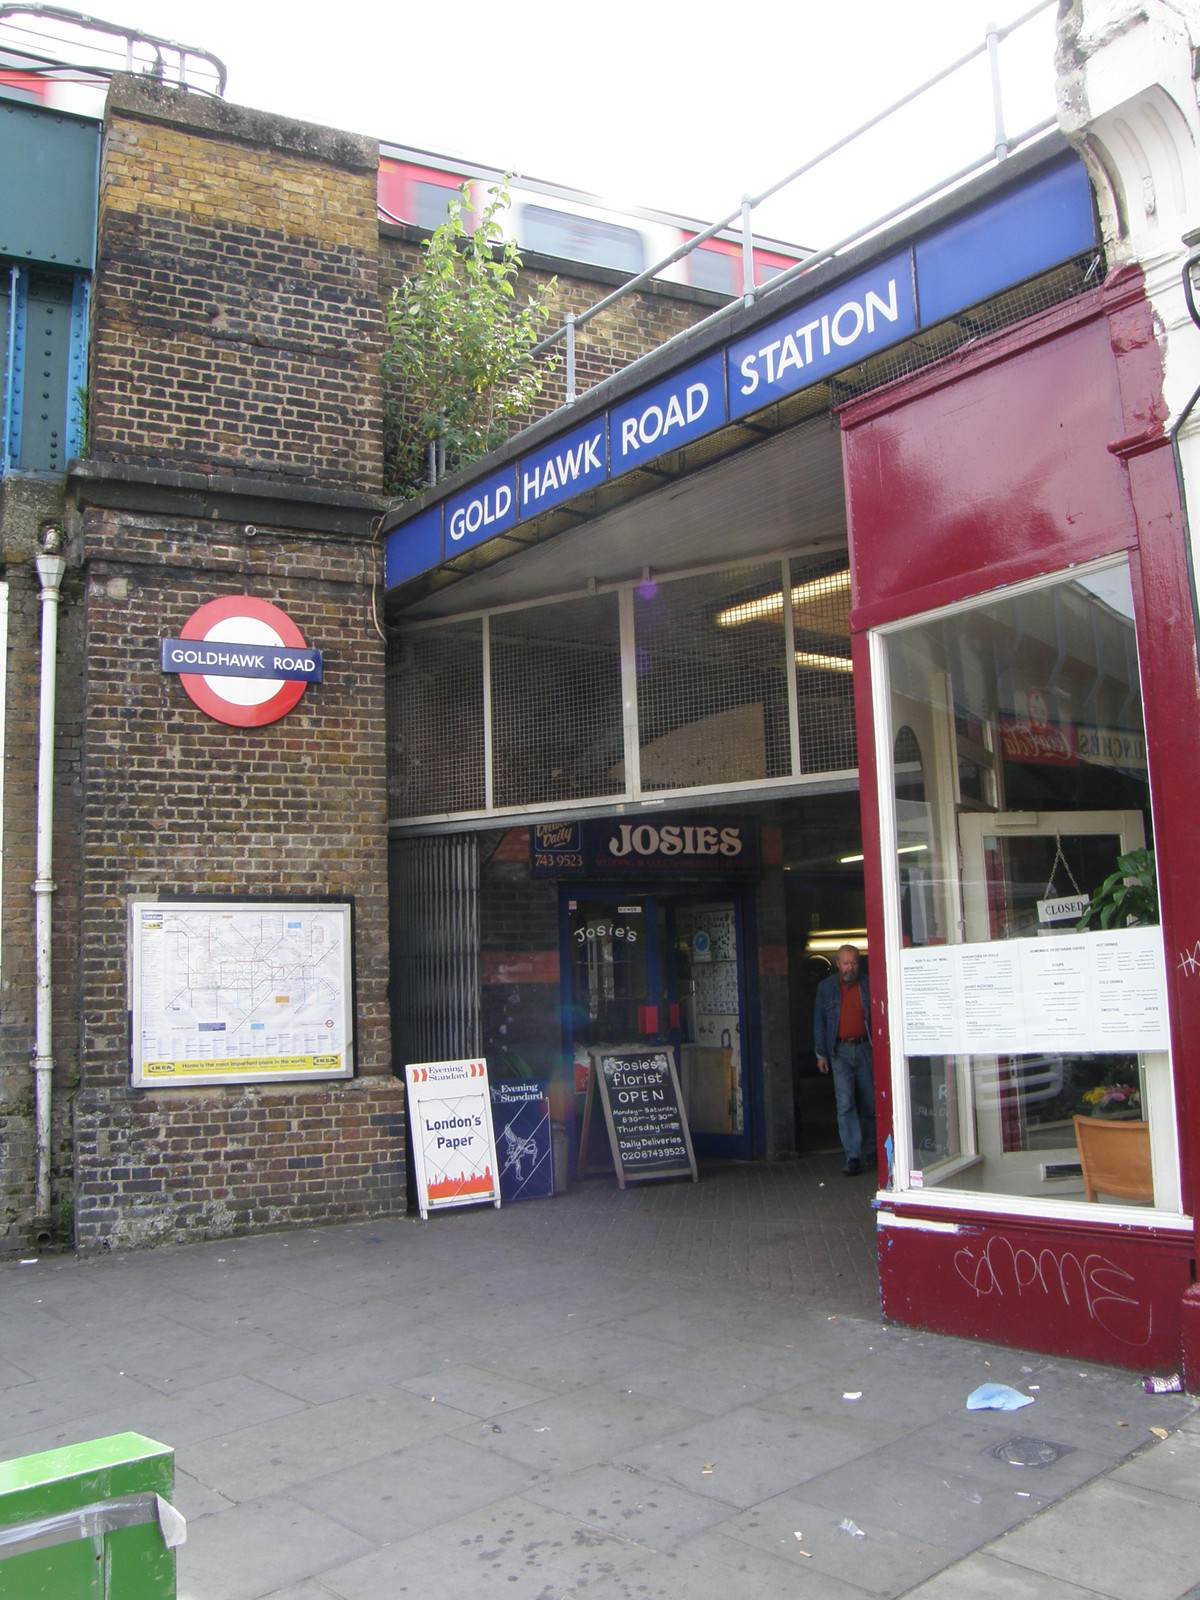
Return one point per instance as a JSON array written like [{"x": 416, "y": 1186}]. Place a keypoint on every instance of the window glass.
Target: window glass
[
  {"x": 604, "y": 244},
  {"x": 433, "y": 200},
  {"x": 713, "y": 269},
  {"x": 1031, "y": 1046}
]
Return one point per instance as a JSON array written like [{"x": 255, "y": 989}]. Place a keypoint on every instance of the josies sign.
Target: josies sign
[
  {"x": 712, "y": 847},
  {"x": 243, "y": 661}
]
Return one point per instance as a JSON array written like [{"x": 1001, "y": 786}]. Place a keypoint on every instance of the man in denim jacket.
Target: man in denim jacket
[{"x": 842, "y": 1040}]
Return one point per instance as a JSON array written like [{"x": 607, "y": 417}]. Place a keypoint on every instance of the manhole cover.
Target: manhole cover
[{"x": 1026, "y": 1452}]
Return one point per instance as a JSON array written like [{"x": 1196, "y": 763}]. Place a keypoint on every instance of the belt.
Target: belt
[{"x": 861, "y": 1038}]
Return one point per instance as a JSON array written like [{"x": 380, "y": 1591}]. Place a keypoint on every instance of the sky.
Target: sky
[{"x": 651, "y": 103}]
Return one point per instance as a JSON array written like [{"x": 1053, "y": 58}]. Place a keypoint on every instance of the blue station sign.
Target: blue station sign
[
  {"x": 823, "y": 336},
  {"x": 573, "y": 462},
  {"x": 1027, "y": 229},
  {"x": 480, "y": 512},
  {"x": 684, "y": 406},
  {"x": 282, "y": 662}
]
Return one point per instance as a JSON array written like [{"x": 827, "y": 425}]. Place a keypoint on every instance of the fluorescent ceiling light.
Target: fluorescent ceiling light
[
  {"x": 827, "y": 944},
  {"x": 901, "y": 850},
  {"x": 817, "y": 662},
  {"x": 771, "y": 605}
]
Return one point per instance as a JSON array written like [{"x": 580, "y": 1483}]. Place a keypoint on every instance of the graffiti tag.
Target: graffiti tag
[{"x": 1098, "y": 1285}]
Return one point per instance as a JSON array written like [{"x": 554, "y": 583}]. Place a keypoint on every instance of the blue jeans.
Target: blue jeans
[{"x": 854, "y": 1089}]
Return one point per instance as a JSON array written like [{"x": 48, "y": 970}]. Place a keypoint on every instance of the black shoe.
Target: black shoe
[{"x": 852, "y": 1168}]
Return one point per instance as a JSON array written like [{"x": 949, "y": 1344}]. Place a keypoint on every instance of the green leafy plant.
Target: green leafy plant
[
  {"x": 456, "y": 363},
  {"x": 1128, "y": 897}
]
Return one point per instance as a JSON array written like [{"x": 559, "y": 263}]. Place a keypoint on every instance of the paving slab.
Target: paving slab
[
  {"x": 983, "y": 1577},
  {"x": 391, "y": 1497},
  {"x": 255, "y": 1547},
  {"x": 272, "y": 1455},
  {"x": 747, "y": 1455},
  {"x": 1090, "y": 1541},
  {"x": 632, "y": 1504},
  {"x": 597, "y": 1423},
  {"x": 513, "y": 1547},
  {"x": 884, "y": 1562}
]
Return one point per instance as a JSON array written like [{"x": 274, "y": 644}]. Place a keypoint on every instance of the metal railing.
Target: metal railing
[
  {"x": 1002, "y": 146},
  {"x": 144, "y": 53}
]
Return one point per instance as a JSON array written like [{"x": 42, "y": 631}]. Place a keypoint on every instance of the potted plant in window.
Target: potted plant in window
[{"x": 1128, "y": 897}]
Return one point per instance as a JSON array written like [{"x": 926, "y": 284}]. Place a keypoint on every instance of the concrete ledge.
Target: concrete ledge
[
  {"x": 150, "y": 101},
  {"x": 122, "y": 486}
]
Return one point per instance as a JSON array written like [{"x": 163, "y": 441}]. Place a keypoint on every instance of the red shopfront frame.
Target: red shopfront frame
[{"x": 1040, "y": 448}]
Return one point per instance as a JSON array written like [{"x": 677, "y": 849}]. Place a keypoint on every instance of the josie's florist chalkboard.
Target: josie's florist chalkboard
[{"x": 643, "y": 1112}]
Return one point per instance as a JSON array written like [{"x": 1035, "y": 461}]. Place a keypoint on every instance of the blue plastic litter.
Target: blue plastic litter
[{"x": 997, "y": 1397}]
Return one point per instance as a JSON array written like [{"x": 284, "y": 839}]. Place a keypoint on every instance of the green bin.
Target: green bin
[{"x": 91, "y": 1521}]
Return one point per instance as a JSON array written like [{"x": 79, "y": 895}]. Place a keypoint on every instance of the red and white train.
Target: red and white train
[{"x": 547, "y": 219}]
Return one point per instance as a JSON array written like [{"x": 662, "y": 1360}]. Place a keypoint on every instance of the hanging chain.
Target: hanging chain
[{"x": 1048, "y": 893}]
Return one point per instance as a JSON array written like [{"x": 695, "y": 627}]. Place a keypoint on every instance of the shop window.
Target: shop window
[{"x": 1015, "y": 806}]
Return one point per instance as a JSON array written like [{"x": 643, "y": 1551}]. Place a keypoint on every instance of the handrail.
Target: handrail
[
  {"x": 131, "y": 36},
  {"x": 751, "y": 292}
]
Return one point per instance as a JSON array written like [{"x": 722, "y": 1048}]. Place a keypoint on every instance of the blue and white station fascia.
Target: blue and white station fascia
[{"x": 836, "y": 317}]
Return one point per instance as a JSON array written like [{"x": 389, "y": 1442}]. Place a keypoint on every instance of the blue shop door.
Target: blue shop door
[{"x": 669, "y": 968}]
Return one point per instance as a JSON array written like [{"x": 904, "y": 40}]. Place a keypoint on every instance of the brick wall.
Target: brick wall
[
  {"x": 178, "y": 805},
  {"x": 236, "y": 319},
  {"x": 199, "y": 1164}
]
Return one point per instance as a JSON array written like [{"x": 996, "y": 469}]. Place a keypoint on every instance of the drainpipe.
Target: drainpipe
[{"x": 50, "y": 569}]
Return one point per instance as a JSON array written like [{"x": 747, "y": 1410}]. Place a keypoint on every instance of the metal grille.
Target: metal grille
[
  {"x": 556, "y": 702},
  {"x": 712, "y": 679},
  {"x": 1001, "y": 311},
  {"x": 435, "y": 720},
  {"x": 824, "y": 685},
  {"x": 434, "y": 899}
]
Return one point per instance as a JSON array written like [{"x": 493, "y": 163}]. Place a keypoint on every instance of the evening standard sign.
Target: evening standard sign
[
  {"x": 246, "y": 993},
  {"x": 453, "y": 1143}
]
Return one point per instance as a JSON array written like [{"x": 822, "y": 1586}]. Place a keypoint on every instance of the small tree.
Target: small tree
[{"x": 457, "y": 363}]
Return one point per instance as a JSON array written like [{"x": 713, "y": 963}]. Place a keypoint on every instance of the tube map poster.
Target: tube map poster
[{"x": 240, "y": 992}]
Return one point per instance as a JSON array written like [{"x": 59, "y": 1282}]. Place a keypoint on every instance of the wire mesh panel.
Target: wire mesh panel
[
  {"x": 556, "y": 702},
  {"x": 824, "y": 686},
  {"x": 434, "y": 901},
  {"x": 712, "y": 679},
  {"x": 435, "y": 720}
]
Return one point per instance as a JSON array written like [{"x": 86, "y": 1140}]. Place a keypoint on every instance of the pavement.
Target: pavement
[{"x": 682, "y": 1390}]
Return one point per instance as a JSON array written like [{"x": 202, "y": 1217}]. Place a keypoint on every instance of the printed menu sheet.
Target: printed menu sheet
[{"x": 1103, "y": 992}]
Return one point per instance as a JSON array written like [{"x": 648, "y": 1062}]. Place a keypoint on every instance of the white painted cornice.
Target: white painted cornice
[{"x": 1127, "y": 102}]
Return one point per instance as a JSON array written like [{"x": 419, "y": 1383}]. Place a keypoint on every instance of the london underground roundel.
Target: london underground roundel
[{"x": 258, "y": 663}]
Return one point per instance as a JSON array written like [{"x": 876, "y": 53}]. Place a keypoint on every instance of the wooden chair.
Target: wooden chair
[{"x": 1115, "y": 1157}]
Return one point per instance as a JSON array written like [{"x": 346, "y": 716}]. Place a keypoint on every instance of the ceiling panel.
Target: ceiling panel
[{"x": 782, "y": 494}]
